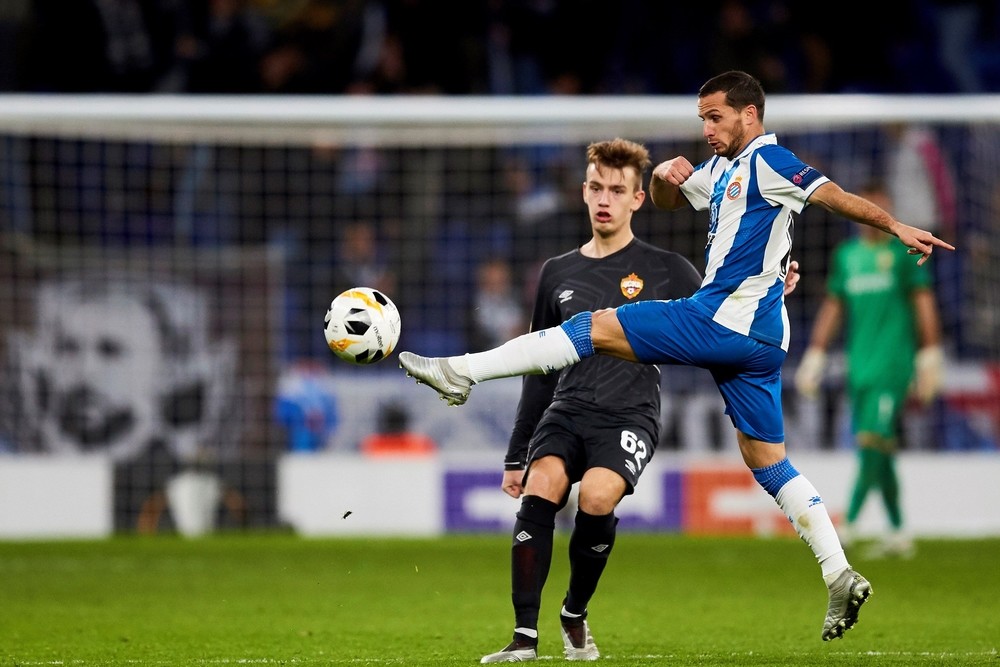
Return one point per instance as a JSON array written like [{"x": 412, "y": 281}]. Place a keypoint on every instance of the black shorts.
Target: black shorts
[{"x": 585, "y": 439}]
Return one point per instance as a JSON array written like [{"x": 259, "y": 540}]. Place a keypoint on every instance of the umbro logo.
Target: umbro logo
[
  {"x": 565, "y": 295},
  {"x": 523, "y": 536},
  {"x": 599, "y": 548}
]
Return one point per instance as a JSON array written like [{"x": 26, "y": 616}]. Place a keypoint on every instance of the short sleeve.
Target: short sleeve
[
  {"x": 698, "y": 188},
  {"x": 784, "y": 179}
]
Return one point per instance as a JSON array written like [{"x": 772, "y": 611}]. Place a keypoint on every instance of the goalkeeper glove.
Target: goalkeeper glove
[
  {"x": 929, "y": 365},
  {"x": 809, "y": 374}
]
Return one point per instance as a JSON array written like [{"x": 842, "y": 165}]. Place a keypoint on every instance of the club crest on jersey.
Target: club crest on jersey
[
  {"x": 631, "y": 286},
  {"x": 734, "y": 189}
]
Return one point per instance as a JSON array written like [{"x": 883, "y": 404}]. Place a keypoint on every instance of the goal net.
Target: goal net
[{"x": 166, "y": 262}]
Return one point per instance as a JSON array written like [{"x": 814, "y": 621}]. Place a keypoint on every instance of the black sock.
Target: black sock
[
  {"x": 589, "y": 548},
  {"x": 530, "y": 558}
]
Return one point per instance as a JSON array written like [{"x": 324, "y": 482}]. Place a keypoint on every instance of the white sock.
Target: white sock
[
  {"x": 801, "y": 503},
  {"x": 535, "y": 353}
]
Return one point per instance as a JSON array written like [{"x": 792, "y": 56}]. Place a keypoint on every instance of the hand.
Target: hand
[
  {"x": 792, "y": 277},
  {"x": 674, "y": 171},
  {"x": 920, "y": 242},
  {"x": 809, "y": 374},
  {"x": 511, "y": 483},
  {"x": 929, "y": 364}
]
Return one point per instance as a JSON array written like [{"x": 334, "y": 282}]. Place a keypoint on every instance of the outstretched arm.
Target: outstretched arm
[
  {"x": 836, "y": 200},
  {"x": 665, "y": 183}
]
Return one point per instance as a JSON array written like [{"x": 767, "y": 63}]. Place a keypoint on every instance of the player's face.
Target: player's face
[
  {"x": 727, "y": 130},
  {"x": 612, "y": 196}
]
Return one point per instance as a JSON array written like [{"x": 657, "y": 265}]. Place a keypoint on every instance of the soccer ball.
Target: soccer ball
[{"x": 362, "y": 326}]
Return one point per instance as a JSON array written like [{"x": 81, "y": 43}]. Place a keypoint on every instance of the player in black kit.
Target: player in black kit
[{"x": 595, "y": 422}]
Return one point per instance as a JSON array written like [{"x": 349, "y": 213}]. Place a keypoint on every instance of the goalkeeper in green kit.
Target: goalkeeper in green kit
[{"x": 892, "y": 338}]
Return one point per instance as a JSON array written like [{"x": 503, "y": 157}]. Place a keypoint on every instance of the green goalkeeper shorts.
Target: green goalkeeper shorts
[{"x": 877, "y": 410}]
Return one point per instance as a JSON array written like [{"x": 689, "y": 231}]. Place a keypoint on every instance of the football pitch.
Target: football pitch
[{"x": 276, "y": 599}]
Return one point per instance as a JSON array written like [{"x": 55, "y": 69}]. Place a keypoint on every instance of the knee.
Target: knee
[
  {"x": 600, "y": 505},
  {"x": 759, "y": 454},
  {"x": 547, "y": 479},
  {"x": 607, "y": 335},
  {"x": 601, "y": 499},
  {"x": 602, "y": 323}
]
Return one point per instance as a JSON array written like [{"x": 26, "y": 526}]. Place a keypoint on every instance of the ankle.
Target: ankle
[
  {"x": 522, "y": 640},
  {"x": 460, "y": 365}
]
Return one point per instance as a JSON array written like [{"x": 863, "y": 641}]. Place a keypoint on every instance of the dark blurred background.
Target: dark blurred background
[{"x": 494, "y": 47}]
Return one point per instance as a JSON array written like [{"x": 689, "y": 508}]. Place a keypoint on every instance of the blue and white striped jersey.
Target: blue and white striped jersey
[{"x": 751, "y": 199}]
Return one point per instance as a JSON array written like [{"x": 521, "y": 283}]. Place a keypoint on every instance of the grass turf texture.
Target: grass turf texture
[{"x": 277, "y": 599}]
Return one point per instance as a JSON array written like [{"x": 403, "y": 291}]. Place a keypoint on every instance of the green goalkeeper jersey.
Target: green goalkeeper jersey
[{"x": 875, "y": 281}]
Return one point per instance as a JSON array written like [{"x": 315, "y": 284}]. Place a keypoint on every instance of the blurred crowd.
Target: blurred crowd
[{"x": 493, "y": 47}]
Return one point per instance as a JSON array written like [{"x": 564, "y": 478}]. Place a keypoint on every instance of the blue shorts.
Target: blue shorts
[{"x": 747, "y": 371}]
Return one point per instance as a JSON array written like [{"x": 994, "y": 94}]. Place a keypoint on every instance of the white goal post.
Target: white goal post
[{"x": 471, "y": 120}]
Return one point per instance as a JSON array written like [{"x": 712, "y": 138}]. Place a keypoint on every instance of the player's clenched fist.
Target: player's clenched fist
[
  {"x": 664, "y": 186},
  {"x": 674, "y": 171}
]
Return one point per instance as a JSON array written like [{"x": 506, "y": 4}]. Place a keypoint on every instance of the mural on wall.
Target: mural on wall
[
  {"x": 117, "y": 366},
  {"x": 162, "y": 359}
]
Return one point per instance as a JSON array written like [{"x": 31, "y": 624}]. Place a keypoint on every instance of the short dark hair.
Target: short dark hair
[
  {"x": 620, "y": 153},
  {"x": 741, "y": 90}
]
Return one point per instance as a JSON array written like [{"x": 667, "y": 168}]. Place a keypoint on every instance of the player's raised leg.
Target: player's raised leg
[{"x": 538, "y": 352}]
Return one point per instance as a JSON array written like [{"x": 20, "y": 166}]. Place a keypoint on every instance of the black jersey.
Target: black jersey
[{"x": 572, "y": 283}]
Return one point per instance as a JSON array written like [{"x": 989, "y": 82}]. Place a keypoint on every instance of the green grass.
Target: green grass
[{"x": 278, "y": 599}]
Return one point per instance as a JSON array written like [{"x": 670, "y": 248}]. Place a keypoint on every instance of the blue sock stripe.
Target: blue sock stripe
[
  {"x": 578, "y": 330},
  {"x": 773, "y": 477}
]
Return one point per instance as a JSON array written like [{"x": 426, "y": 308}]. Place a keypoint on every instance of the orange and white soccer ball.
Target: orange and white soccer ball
[{"x": 362, "y": 325}]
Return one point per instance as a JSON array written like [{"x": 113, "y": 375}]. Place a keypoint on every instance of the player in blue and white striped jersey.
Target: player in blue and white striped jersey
[
  {"x": 735, "y": 324},
  {"x": 749, "y": 237}
]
